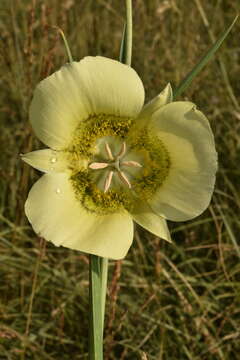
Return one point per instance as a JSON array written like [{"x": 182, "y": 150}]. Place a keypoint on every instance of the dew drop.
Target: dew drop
[
  {"x": 58, "y": 191},
  {"x": 53, "y": 160}
]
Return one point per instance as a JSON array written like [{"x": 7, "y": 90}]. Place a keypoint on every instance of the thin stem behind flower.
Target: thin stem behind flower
[
  {"x": 70, "y": 58},
  {"x": 128, "y": 34}
]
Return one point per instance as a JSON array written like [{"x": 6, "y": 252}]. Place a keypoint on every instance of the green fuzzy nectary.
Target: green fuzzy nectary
[
  {"x": 155, "y": 164},
  {"x": 97, "y": 126}
]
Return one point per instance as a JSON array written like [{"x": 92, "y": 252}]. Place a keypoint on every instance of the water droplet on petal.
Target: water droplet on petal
[{"x": 58, "y": 191}]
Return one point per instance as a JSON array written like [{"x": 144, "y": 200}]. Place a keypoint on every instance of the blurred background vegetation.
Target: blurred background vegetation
[{"x": 165, "y": 302}]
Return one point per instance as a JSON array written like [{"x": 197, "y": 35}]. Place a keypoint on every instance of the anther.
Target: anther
[
  {"x": 124, "y": 179},
  {"x": 115, "y": 166},
  {"x": 131, "y": 163},
  {"x": 122, "y": 150},
  {"x": 108, "y": 181},
  {"x": 109, "y": 151},
  {"x": 98, "y": 165}
]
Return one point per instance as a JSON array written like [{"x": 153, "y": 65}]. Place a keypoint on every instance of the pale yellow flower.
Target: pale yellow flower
[{"x": 111, "y": 159}]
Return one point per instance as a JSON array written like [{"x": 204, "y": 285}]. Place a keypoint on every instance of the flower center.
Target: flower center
[{"x": 115, "y": 166}]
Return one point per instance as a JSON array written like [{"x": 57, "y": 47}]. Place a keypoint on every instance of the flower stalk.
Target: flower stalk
[
  {"x": 104, "y": 276},
  {"x": 95, "y": 318}
]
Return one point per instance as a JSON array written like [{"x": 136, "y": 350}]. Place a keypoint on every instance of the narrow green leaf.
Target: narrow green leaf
[
  {"x": 203, "y": 61},
  {"x": 122, "y": 55},
  {"x": 95, "y": 297},
  {"x": 104, "y": 276},
  {"x": 126, "y": 44}
]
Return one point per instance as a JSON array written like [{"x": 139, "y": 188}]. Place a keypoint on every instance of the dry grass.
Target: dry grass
[{"x": 166, "y": 302}]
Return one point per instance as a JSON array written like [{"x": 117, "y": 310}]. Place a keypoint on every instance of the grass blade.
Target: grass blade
[
  {"x": 122, "y": 55},
  {"x": 230, "y": 232},
  {"x": 203, "y": 61}
]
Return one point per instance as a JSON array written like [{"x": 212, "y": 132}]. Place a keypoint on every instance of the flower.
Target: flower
[{"x": 112, "y": 160}]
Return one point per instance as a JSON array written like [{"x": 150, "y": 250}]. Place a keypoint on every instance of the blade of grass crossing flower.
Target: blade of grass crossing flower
[
  {"x": 95, "y": 299},
  {"x": 203, "y": 61}
]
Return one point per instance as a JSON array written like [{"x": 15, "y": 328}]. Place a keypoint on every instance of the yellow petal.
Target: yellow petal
[
  {"x": 94, "y": 85},
  {"x": 187, "y": 135},
  {"x": 46, "y": 160},
  {"x": 56, "y": 215},
  {"x": 165, "y": 97},
  {"x": 145, "y": 217}
]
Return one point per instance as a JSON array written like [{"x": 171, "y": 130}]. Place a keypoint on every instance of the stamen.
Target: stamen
[
  {"x": 122, "y": 150},
  {"x": 98, "y": 165},
  {"x": 124, "y": 179},
  {"x": 108, "y": 181},
  {"x": 131, "y": 163},
  {"x": 109, "y": 151}
]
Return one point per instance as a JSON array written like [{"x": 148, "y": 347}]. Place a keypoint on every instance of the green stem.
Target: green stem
[
  {"x": 127, "y": 42},
  {"x": 95, "y": 300},
  {"x": 123, "y": 46},
  {"x": 104, "y": 276}
]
